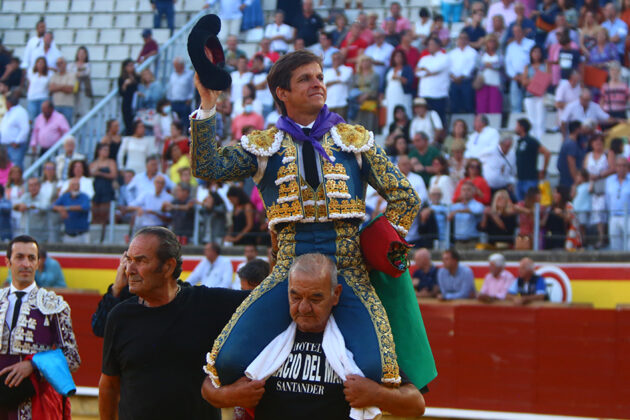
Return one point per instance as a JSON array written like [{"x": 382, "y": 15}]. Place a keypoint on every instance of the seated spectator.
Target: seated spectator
[
  {"x": 150, "y": 91},
  {"x": 49, "y": 273},
  {"x": 182, "y": 211},
  {"x": 458, "y": 133},
  {"x": 399, "y": 82},
  {"x": 617, "y": 29},
  {"x": 34, "y": 206},
  {"x": 215, "y": 270},
  {"x": 381, "y": 53},
  {"x": 104, "y": 172},
  {"x": 49, "y": 182},
  {"x": 399, "y": 149},
  {"x": 268, "y": 57},
  {"x": 617, "y": 199},
  {"x": 353, "y": 46},
  {"x": 13, "y": 75},
  {"x": 308, "y": 23},
  {"x": 581, "y": 200},
  {"x": 431, "y": 222},
  {"x": 48, "y": 128},
  {"x": 475, "y": 30},
  {"x": 473, "y": 174},
  {"x": 456, "y": 280},
  {"x": 561, "y": 25},
  {"x": 249, "y": 118},
  {"x": 604, "y": 52},
  {"x": 363, "y": 104},
  {"x": 503, "y": 8},
  {"x": 411, "y": 53},
  {"x": 497, "y": 282},
  {"x": 177, "y": 137},
  {"x": 391, "y": 36},
  {"x": 499, "y": 168},
  {"x": 529, "y": 286},
  {"x": 259, "y": 86},
  {"x": 422, "y": 156},
  {"x": 568, "y": 91},
  {"x": 180, "y": 160},
  {"x": 499, "y": 221},
  {"x": 442, "y": 180},
  {"x": 163, "y": 120},
  {"x": 400, "y": 126},
  {"x": 427, "y": 121},
  {"x": 559, "y": 221},
  {"x": 424, "y": 278},
  {"x": 253, "y": 273},
  {"x": 143, "y": 181},
  {"x": 213, "y": 210},
  {"x": 528, "y": 25},
  {"x": 463, "y": 60},
  {"x": 6, "y": 231},
  {"x": 5, "y": 165},
  {"x": 483, "y": 139},
  {"x": 79, "y": 169},
  {"x": 422, "y": 27},
  {"x": 242, "y": 230},
  {"x": 249, "y": 92},
  {"x": 466, "y": 215},
  {"x": 489, "y": 98},
  {"x": 615, "y": 94},
  {"x": 417, "y": 183},
  {"x": 149, "y": 48},
  {"x": 125, "y": 198},
  {"x": 584, "y": 109},
  {"x": 588, "y": 29},
  {"x": 279, "y": 33},
  {"x": 402, "y": 24},
  {"x": 135, "y": 149},
  {"x": 457, "y": 162},
  {"x": 62, "y": 87},
  {"x": 74, "y": 208},
  {"x": 112, "y": 137},
  {"x": 69, "y": 155},
  {"x": 527, "y": 212},
  {"x": 337, "y": 79},
  {"x": 439, "y": 31},
  {"x": 148, "y": 205}
]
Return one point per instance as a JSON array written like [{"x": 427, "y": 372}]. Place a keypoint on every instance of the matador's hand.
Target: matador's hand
[{"x": 208, "y": 97}]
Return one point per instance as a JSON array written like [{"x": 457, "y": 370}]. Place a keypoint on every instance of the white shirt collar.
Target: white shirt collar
[
  {"x": 14, "y": 289},
  {"x": 306, "y": 126}
]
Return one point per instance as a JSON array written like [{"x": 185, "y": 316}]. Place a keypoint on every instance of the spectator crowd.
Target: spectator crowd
[{"x": 436, "y": 87}]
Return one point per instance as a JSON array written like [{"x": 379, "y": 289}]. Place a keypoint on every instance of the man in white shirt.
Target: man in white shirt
[
  {"x": 148, "y": 206},
  {"x": 180, "y": 90},
  {"x": 47, "y": 49},
  {"x": 617, "y": 29},
  {"x": 143, "y": 181},
  {"x": 337, "y": 79},
  {"x": 504, "y": 8},
  {"x": 28, "y": 60},
  {"x": 213, "y": 271},
  {"x": 482, "y": 140},
  {"x": 35, "y": 208},
  {"x": 69, "y": 154},
  {"x": 259, "y": 80},
  {"x": 425, "y": 120},
  {"x": 324, "y": 49},
  {"x": 561, "y": 25},
  {"x": 568, "y": 91},
  {"x": 463, "y": 61},
  {"x": 416, "y": 181},
  {"x": 279, "y": 33},
  {"x": 583, "y": 109},
  {"x": 434, "y": 81},
  {"x": 499, "y": 165},
  {"x": 516, "y": 58},
  {"x": 14, "y": 130},
  {"x": 380, "y": 52},
  {"x": 240, "y": 77}
]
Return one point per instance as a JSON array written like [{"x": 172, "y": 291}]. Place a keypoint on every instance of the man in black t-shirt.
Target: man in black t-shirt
[
  {"x": 156, "y": 341},
  {"x": 308, "y": 24},
  {"x": 527, "y": 150},
  {"x": 305, "y": 386}
]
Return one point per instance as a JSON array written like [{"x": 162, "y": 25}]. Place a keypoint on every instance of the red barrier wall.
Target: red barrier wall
[{"x": 547, "y": 359}]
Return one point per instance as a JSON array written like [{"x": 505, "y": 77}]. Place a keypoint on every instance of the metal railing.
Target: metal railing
[{"x": 91, "y": 127}]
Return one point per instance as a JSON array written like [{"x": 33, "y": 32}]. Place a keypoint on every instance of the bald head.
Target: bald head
[
  {"x": 526, "y": 268},
  {"x": 422, "y": 259}
]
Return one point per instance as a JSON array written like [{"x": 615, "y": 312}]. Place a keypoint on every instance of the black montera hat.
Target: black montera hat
[{"x": 206, "y": 53}]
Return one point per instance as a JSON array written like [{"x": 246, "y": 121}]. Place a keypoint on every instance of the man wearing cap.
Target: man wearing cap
[
  {"x": 150, "y": 47},
  {"x": 312, "y": 170},
  {"x": 426, "y": 120}
]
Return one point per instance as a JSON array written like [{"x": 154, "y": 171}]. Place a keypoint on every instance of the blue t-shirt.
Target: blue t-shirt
[
  {"x": 77, "y": 221},
  {"x": 569, "y": 148},
  {"x": 535, "y": 286},
  {"x": 428, "y": 280}
]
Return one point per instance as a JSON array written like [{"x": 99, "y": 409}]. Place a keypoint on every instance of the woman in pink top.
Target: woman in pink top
[
  {"x": 5, "y": 166},
  {"x": 497, "y": 281},
  {"x": 615, "y": 94}
]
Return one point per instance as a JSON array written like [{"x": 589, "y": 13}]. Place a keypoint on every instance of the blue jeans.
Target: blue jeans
[
  {"x": 516, "y": 97},
  {"x": 523, "y": 186},
  {"x": 452, "y": 12},
  {"x": 66, "y": 111},
  {"x": 16, "y": 154},
  {"x": 438, "y": 105},
  {"x": 462, "y": 97},
  {"x": 34, "y": 108},
  {"x": 164, "y": 8}
]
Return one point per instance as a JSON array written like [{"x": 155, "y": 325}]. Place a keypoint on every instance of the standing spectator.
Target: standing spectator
[
  {"x": 242, "y": 230},
  {"x": 324, "y": 49},
  {"x": 127, "y": 87},
  {"x": 247, "y": 121},
  {"x": 166, "y": 9},
  {"x": 583, "y": 109},
  {"x": 402, "y": 24},
  {"x": 48, "y": 49},
  {"x": 473, "y": 174},
  {"x": 180, "y": 160},
  {"x": 527, "y": 151},
  {"x": 588, "y": 32},
  {"x": 112, "y": 137},
  {"x": 215, "y": 270},
  {"x": 497, "y": 281},
  {"x": 499, "y": 168},
  {"x": 489, "y": 99},
  {"x": 81, "y": 69},
  {"x": 456, "y": 280},
  {"x": 33, "y": 44},
  {"x": 535, "y": 104},
  {"x": 337, "y": 80},
  {"x": 483, "y": 139},
  {"x": 79, "y": 169},
  {"x": 149, "y": 92},
  {"x": 165, "y": 117},
  {"x": 571, "y": 155},
  {"x": 49, "y": 182},
  {"x": 279, "y": 33},
  {"x": 149, "y": 48},
  {"x": 398, "y": 85},
  {"x": 475, "y": 31},
  {"x": 466, "y": 214},
  {"x": 503, "y": 8},
  {"x": 603, "y": 53},
  {"x": 259, "y": 85},
  {"x": 422, "y": 156},
  {"x": 391, "y": 36},
  {"x": 452, "y": 10},
  {"x": 177, "y": 137},
  {"x": 414, "y": 236},
  {"x": 145, "y": 180},
  {"x": 62, "y": 86},
  {"x": 528, "y": 25},
  {"x": 341, "y": 29},
  {"x": 14, "y": 130},
  {"x": 411, "y": 52},
  {"x": 49, "y": 127},
  {"x": 516, "y": 59},
  {"x": 353, "y": 46},
  {"x": 13, "y": 76},
  {"x": 427, "y": 121},
  {"x": 529, "y": 286},
  {"x": 38, "y": 80},
  {"x": 433, "y": 70},
  {"x": 567, "y": 91},
  {"x": 581, "y": 200},
  {"x": 213, "y": 209},
  {"x": 69, "y": 154},
  {"x": 558, "y": 221},
  {"x": 74, "y": 207},
  {"x": 526, "y": 210},
  {"x": 380, "y": 52},
  {"x": 148, "y": 205},
  {"x": 308, "y": 24},
  {"x": 125, "y": 198},
  {"x": 232, "y": 53},
  {"x": 104, "y": 172},
  {"x": 553, "y": 37},
  {"x": 424, "y": 278},
  {"x": 248, "y": 95},
  {"x": 564, "y": 57},
  {"x": 617, "y": 199},
  {"x": 462, "y": 62},
  {"x": 34, "y": 208},
  {"x": 14, "y": 191},
  {"x": 182, "y": 211},
  {"x": 457, "y": 162},
  {"x": 499, "y": 220},
  {"x": 364, "y": 95},
  {"x": 615, "y": 94},
  {"x": 268, "y": 56},
  {"x": 617, "y": 28},
  {"x": 442, "y": 180},
  {"x": 180, "y": 90},
  {"x": 596, "y": 163},
  {"x": 231, "y": 13},
  {"x": 399, "y": 126},
  {"x": 135, "y": 149},
  {"x": 240, "y": 77},
  {"x": 422, "y": 28},
  {"x": 459, "y": 133}
]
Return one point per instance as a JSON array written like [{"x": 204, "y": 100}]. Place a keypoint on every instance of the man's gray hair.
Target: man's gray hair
[
  {"x": 497, "y": 259},
  {"x": 179, "y": 60},
  {"x": 169, "y": 247},
  {"x": 507, "y": 137},
  {"x": 315, "y": 265}
]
